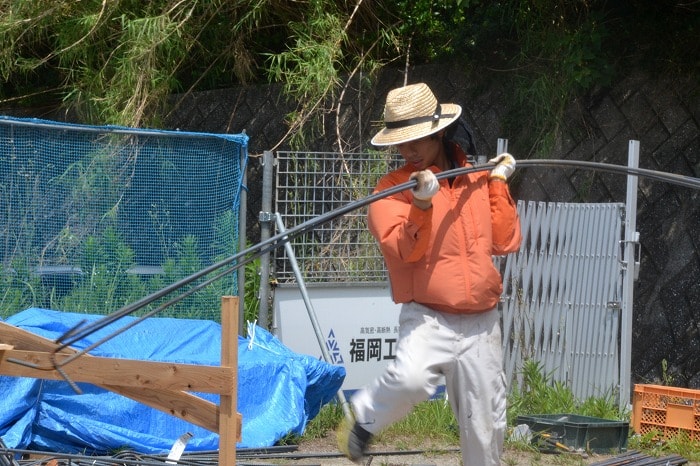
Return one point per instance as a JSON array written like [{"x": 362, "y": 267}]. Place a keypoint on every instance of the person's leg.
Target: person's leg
[
  {"x": 411, "y": 378},
  {"x": 477, "y": 391}
]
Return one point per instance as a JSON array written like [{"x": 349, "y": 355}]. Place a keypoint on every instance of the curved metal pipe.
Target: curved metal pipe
[
  {"x": 247, "y": 255},
  {"x": 672, "y": 178}
]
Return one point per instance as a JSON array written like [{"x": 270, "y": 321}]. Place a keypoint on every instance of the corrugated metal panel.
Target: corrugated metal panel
[{"x": 562, "y": 292}]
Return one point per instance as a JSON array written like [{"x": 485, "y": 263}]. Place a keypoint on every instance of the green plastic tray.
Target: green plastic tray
[{"x": 586, "y": 433}]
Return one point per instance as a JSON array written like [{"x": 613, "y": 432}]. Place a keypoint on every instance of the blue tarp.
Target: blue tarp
[{"x": 279, "y": 391}]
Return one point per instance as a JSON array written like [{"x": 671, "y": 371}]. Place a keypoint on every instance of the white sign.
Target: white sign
[{"x": 359, "y": 325}]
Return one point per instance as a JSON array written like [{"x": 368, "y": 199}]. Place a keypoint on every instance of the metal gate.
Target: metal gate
[{"x": 562, "y": 296}]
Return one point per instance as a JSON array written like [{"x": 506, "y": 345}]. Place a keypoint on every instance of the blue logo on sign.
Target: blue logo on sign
[{"x": 333, "y": 348}]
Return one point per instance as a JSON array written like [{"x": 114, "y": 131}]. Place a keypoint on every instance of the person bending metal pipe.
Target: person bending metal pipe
[{"x": 437, "y": 240}]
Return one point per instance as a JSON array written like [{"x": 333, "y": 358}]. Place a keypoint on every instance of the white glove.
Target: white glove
[
  {"x": 504, "y": 168},
  {"x": 427, "y": 186}
]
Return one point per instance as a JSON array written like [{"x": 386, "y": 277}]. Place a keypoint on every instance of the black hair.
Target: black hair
[{"x": 461, "y": 133}]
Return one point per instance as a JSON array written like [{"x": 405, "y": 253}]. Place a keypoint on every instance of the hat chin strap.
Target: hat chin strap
[{"x": 435, "y": 117}]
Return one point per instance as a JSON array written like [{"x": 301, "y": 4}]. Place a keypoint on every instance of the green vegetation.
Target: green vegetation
[
  {"x": 344, "y": 250},
  {"x": 108, "y": 282},
  {"x": 432, "y": 421},
  {"x": 539, "y": 394},
  {"x": 19, "y": 289},
  {"x": 654, "y": 444},
  {"x": 251, "y": 293},
  {"x": 119, "y": 62}
]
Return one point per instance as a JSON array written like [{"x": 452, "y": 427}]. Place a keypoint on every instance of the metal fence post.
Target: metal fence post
[
  {"x": 265, "y": 222},
  {"x": 242, "y": 226},
  {"x": 630, "y": 244}
]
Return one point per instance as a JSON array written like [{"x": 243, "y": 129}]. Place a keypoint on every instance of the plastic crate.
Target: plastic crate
[
  {"x": 581, "y": 432},
  {"x": 668, "y": 410}
]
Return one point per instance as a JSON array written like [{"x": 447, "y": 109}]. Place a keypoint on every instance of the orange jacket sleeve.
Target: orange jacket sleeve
[
  {"x": 504, "y": 219},
  {"x": 402, "y": 229}
]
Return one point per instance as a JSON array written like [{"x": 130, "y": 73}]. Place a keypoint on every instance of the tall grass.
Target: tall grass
[{"x": 539, "y": 394}]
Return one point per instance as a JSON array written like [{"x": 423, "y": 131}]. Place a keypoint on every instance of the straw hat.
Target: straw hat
[{"x": 412, "y": 112}]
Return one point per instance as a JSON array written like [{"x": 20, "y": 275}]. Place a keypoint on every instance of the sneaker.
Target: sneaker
[{"x": 353, "y": 441}]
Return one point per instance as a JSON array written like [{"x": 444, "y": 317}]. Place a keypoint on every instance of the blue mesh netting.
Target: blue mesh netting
[{"x": 93, "y": 218}]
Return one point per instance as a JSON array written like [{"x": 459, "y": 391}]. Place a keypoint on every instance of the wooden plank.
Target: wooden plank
[
  {"x": 3, "y": 348},
  {"x": 122, "y": 372},
  {"x": 229, "y": 427},
  {"x": 24, "y": 340},
  {"x": 181, "y": 404},
  {"x": 186, "y": 406}
]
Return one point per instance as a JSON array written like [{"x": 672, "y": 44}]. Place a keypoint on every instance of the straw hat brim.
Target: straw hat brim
[{"x": 393, "y": 136}]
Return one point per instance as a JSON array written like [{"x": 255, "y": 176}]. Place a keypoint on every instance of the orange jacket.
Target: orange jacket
[{"x": 442, "y": 257}]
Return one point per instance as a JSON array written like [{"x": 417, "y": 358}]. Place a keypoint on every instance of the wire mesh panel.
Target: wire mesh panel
[
  {"x": 93, "y": 218},
  {"x": 309, "y": 184}
]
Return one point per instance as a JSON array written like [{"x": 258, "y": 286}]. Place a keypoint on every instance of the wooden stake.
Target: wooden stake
[{"x": 229, "y": 426}]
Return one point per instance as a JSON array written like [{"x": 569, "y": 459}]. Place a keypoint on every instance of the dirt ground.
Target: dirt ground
[
  {"x": 401, "y": 452},
  {"x": 324, "y": 452}
]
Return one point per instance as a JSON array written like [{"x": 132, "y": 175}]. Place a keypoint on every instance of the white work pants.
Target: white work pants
[{"x": 467, "y": 350}]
